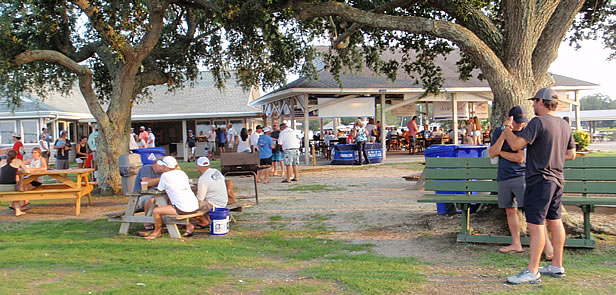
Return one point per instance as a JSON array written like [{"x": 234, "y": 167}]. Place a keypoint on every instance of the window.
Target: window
[
  {"x": 221, "y": 124},
  {"x": 30, "y": 131},
  {"x": 203, "y": 127},
  {"x": 237, "y": 125},
  {"x": 6, "y": 131}
]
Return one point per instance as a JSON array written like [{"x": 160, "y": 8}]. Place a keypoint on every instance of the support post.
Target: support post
[
  {"x": 578, "y": 117},
  {"x": 184, "y": 134},
  {"x": 383, "y": 132},
  {"x": 306, "y": 130},
  {"x": 292, "y": 108},
  {"x": 454, "y": 117}
]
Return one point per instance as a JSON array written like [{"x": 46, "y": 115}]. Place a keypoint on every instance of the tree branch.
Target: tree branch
[
  {"x": 482, "y": 54},
  {"x": 156, "y": 23},
  {"x": 116, "y": 40},
  {"x": 555, "y": 30},
  {"x": 474, "y": 20},
  {"x": 150, "y": 78},
  {"x": 83, "y": 72}
]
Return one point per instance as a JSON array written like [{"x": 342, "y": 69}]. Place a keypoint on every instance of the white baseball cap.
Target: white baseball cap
[
  {"x": 168, "y": 161},
  {"x": 266, "y": 130},
  {"x": 203, "y": 162},
  {"x": 142, "y": 127}
]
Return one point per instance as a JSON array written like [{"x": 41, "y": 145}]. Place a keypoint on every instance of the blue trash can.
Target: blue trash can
[
  {"x": 149, "y": 155},
  {"x": 452, "y": 151}
]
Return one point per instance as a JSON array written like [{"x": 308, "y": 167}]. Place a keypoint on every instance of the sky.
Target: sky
[{"x": 590, "y": 64}]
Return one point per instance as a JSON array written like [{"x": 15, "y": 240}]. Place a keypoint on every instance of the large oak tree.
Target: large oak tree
[{"x": 116, "y": 49}]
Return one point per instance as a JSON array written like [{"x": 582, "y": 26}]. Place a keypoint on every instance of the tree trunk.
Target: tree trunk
[{"x": 506, "y": 97}]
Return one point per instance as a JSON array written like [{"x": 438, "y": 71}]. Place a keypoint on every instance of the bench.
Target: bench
[
  {"x": 51, "y": 192},
  {"x": 589, "y": 182}
]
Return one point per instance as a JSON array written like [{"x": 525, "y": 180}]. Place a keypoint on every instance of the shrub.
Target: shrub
[{"x": 582, "y": 139}]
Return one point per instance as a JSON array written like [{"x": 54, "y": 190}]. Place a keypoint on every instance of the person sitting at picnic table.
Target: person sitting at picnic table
[
  {"x": 36, "y": 163},
  {"x": 436, "y": 132},
  {"x": 212, "y": 191},
  {"x": 149, "y": 173},
  {"x": 82, "y": 152},
  {"x": 183, "y": 201},
  {"x": 425, "y": 133},
  {"x": 8, "y": 179}
]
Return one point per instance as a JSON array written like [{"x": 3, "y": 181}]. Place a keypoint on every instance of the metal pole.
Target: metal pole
[
  {"x": 184, "y": 132},
  {"x": 383, "y": 132},
  {"x": 454, "y": 111},
  {"x": 306, "y": 130}
]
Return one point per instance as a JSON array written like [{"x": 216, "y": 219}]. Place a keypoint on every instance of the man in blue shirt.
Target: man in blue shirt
[{"x": 266, "y": 144}]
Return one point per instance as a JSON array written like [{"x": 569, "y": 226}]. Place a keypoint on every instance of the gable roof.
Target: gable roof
[
  {"x": 200, "y": 99},
  {"x": 368, "y": 80}
]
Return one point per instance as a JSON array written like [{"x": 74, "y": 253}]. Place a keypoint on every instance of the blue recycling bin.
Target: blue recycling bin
[
  {"x": 346, "y": 154},
  {"x": 452, "y": 151},
  {"x": 149, "y": 155}
]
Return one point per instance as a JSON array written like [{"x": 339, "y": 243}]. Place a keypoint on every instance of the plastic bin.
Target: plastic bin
[
  {"x": 149, "y": 155},
  {"x": 129, "y": 167},
  {"x": 452, "y": 151}
]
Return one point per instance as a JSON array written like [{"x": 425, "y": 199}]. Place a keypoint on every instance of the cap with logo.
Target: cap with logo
[
  {"x": 203, "y": 162},
  {"x": 519, "y": 114},
  {"x": 168, "y": 161},
  {"x": 545, "y": 94},
  {"x": 266, "y": 130}
]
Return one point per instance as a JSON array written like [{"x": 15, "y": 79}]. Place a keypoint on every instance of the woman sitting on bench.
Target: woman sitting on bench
[
  {"x": 8, "y": 179},
  {"x": 36, "y": 163},
  {"x": 183, "y": 201}
]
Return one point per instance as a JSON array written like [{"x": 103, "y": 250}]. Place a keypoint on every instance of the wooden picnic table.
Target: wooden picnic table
[
  {"x": 128, "y": 216},
  {"x": 64, "y": 189}
]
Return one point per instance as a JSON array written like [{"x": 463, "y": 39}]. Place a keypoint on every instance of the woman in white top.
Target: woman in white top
[
  {"x": 183, "y": 201},
  {"x": 243, "y": 142},
  {"x": 140, "y": 142},
  {"x": 36, "y": 163}
]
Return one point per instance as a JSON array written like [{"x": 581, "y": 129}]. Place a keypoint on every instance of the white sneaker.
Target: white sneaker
[
  {"x": 551, "y": 270},
  {"x": 525, "y": 277}
]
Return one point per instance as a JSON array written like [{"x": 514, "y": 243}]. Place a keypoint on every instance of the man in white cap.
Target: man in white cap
[
  {"x": 213, "y": 190},
  {"x": 183, "y": 201},
  {"x": 143, "y": 134}
]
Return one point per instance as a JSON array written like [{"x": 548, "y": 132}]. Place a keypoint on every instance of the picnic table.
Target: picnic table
[
  {"x": 64, "y": 189},
  {"x": 128, "y": 216}
]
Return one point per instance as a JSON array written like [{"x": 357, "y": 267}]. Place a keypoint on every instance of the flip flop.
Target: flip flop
[
  {"x": 293, "y": 179},
  {"x": 285, "y": 181},
  {"x": 509, "y": 250},
  {"x": 187, "y": 234},
  {"x": 152, "y": 237},
  {"x": 199, "y": 226}
]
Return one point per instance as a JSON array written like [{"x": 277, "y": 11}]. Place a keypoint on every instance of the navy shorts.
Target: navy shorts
[
  {"x": 542, "y": 201},
  {"x": 266, "y": 161}
]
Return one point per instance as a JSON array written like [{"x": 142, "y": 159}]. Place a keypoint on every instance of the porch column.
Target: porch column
[
  {"x": 383, "y": 132},
  {"x": 427, "y": 119},
  {"x": 578, "y": 117},
  {"x": 454, "y": 116},
  {"x": 306, "y": 130},
  {"x": 292, "y": 107},
  {"x": 184, "y": 134},
  {"x": 321, "y": 128}
]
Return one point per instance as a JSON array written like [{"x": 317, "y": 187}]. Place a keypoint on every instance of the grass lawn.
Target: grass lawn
[{"x": 84, "y": 257}]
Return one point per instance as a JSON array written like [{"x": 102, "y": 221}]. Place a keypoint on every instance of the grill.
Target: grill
[{"x": 238, "y": 164}]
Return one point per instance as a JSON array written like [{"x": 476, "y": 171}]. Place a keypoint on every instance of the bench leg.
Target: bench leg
[
  {"x": 130, "y": 211},
  {"x": 232, "y": 218},
  {"x": 587, "y": 209},
  {"x": 174, "y": 232},
  {"x": 89, "y": 199},
  {"x": 466, "y": 227}
]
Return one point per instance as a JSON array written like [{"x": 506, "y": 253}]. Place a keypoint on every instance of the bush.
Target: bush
[{"x": 582, "y": 139}]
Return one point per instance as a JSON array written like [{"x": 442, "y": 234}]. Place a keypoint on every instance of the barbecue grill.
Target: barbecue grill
[{"x": 237, "y": 164}]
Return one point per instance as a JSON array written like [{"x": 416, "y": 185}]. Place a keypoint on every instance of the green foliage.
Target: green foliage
[{"x": 582, "y": 139}]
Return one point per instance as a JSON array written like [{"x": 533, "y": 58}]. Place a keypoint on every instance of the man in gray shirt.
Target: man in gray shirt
[{"x": 549, "y": 143}]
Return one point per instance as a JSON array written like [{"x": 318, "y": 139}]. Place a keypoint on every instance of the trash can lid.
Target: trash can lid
[{"x": 437, "y": 149}]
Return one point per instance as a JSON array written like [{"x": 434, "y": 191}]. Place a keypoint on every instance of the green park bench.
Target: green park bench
[{"x": 589, "y": 182}]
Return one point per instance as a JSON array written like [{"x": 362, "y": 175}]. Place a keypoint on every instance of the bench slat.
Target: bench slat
[
  {"x": 466, "y": 173},
  {"x": 590, "y": 174},
  {"x": 493, "y": 199}
]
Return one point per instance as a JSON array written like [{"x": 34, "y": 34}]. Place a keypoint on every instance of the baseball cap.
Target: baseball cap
[
  {"x": 266, "y": 129},
  {"x": 519, "y": 114},
  {"x": 149, "y": 129},
  {"x": 62, "y": 132},
  {"x": 168, "y": 161},
  {"x": 258, "y": 127},
  {"x": 189, "y": 131},
  {"x": 15, "y": 134},
  {"x": 203, "y": 161},
  {"x": 142, "y": 127},
  {"x": 545, "y": 94}
]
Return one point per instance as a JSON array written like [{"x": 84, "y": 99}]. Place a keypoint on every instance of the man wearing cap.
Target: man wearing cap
[
  {"x": 230, "y": 137},
  {"x": 149, "y": 173},
  {"x": 62, "y": 147},
  {"x": 151, "y": 138},
  {"x": 143, "y": 134},
  {"x": 549, "y": 143},
  {"x": 510, "y": 177},
  {"x": 266, "y": 145},
  {"x": 191, "y": 143},
  {"x": 290, "y": 143},
  {"x": 183, "y": 201},
  {"x": 18, "y": 146},
  {"x": 211, "y": 142},
  {"x": 254, "y": 138},
  {"x": 212, "y": 190}
]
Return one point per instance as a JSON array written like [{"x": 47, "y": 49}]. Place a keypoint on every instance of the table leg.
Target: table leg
[
  {"x": 78, "y": 206},
  {"x": 130, "y": 211},
  {"x": 174, "y": 232}
]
